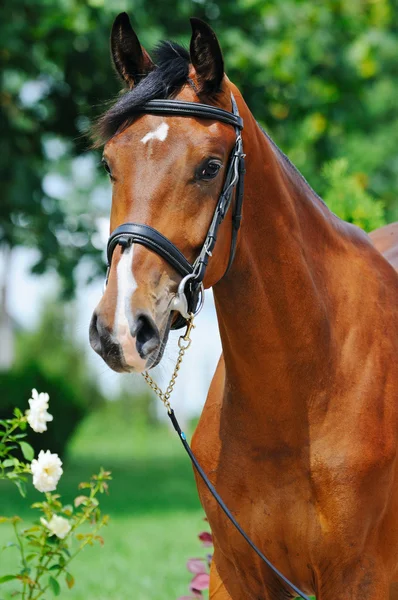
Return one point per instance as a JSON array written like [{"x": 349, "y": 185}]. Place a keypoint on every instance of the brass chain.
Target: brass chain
[{"x": 184, "y": 342}]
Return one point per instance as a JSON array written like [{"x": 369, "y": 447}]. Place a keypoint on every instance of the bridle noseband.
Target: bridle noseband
[{"x": 190, "y": 296}]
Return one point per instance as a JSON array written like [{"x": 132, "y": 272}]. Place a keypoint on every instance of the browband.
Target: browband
[{"x": 189, "y": 109}]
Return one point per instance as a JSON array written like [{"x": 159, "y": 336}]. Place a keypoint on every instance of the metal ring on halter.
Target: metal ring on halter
[
  {"x": 180, "y": 301},
  {"x": 201, "y": 300}
]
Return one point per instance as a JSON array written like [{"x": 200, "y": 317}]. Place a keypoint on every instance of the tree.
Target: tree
[
  {"x": 319, "y": 76},
  {"x": 53, "y": 68}
]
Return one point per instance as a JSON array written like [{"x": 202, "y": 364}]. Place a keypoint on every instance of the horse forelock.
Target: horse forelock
[{"x": 165, "y": 81}]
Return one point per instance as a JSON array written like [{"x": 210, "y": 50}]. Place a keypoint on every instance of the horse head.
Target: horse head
[{"x": 167, "y": 172}]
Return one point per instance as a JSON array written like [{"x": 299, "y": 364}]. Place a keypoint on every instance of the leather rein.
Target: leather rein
[{"x": 190, "y": 296}]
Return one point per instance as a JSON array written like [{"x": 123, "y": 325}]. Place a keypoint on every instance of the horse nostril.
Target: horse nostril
[
  {"x": 147, "y": 335},
  {"x": 94, "y": 336},
  {"x": 100, "y": 337}
]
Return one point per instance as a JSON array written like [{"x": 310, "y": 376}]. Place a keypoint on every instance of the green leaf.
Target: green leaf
[
  {"x": 7, "y": 578},
  {"x": 54, "y": 585},
  {"x": 10, "y": 462},
  {"x": 83, "y": 485},
  {"x": 52, "y": 541},
  {"x": 27, "y": 451},
  {"x": 30, "y": 557},
  {"x": 70, "y": 580},
  {"x": 35, "y": 543},
  {"x": 21, "y": 485},
  {"x": 68, "y": 510},
  {"x": 55, "y": 568}
]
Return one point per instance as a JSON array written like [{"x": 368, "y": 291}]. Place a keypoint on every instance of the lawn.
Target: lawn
[{"x": 153, "y": 505}]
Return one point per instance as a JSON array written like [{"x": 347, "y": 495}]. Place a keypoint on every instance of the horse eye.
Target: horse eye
[
  {"x": 106, "y": 166},
  {"x": 209, "y": 170}
]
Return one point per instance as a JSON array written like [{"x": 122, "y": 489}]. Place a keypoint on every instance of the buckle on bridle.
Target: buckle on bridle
[{"x": 207, "y": 246}]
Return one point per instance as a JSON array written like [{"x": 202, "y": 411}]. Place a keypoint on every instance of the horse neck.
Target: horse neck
[{"x": 272, "y": 307}]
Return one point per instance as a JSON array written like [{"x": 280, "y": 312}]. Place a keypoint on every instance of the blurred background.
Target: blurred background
[{"x": 319, "y": 76}]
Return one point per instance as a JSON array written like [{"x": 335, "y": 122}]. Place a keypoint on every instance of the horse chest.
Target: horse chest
[
  {"x": 299, "y": 513},
  {"x": 270, "y": 500}
]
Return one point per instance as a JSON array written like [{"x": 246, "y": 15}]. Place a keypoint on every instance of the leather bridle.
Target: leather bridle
[{"x": 190, "y": 296}]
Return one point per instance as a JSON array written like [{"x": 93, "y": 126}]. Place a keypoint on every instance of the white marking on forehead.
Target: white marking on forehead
[
  {"x": 126, "y": 286},
  {"x": 160, "y": 133}
]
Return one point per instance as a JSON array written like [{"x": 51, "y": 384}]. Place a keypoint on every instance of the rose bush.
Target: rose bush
[{"x": 47, "y": 547}]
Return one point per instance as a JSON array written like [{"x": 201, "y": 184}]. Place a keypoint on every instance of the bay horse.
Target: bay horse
[{"x": 299, "y": 430}]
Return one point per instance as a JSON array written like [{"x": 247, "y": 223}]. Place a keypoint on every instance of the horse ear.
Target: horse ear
[
  {"x": 131, "y": 61},
  {"x": 206, "y": 57}
]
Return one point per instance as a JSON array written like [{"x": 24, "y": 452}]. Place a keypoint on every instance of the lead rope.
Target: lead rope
[{"x": 184, "y": 343}]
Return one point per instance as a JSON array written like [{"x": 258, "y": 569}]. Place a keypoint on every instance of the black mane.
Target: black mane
[
  {"x": 170, "y": 74},
  {"x": 165, "y": 81}
]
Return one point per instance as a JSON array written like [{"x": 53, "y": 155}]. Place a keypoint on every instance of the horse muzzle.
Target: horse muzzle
[{"x": 134, "y": 347}]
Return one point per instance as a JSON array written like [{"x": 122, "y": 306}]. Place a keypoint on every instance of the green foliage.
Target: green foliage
[
  {"x": 321, "y": 77},
  {"x": 52, "y": 345},
  {"x": 42, "y": 45},
  {"x": 67, "y": 402},
  {"x": 49, "y": 359},
  {"x": 47, "y": 547},
  {"x": 12, "y": 434},
  {"x": 153, "y": 505},
  {"x": 347, "y": 197}
]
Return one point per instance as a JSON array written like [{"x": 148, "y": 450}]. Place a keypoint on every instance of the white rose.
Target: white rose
[
  {"x": 38, "y": 416},
  {"x": 58, "y": 526},
  {"x": 46, "y": 471}
]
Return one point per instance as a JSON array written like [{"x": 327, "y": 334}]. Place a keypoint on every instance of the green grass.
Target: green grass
[{"x": 153, "y": 505}]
